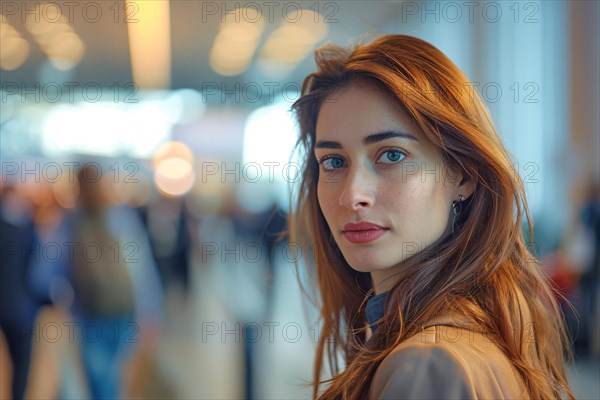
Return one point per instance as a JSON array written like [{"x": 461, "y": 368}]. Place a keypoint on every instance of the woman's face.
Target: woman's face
[{"x": 383, "y": 187}]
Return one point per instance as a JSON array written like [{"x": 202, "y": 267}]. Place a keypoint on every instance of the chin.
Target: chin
[{"x": 369, "y": 262}]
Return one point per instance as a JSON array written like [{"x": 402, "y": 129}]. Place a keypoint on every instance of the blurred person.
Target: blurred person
[
  {"x": 590, "y": 278},
  {"x": 118, "y": 297},
  {"x": 49, "y": 287},
  {"x": 242, "y": 242},
  {"x": 591, "y": 219},
  {"x": 18, "y": 307},
  {"x": 582, "y": 257},
  {"x": 167, "y": 224},
  {"x": 274, "y": 239},
  {"x": 426, "y": 284},
  {"x": 49, "y": 267},
  {"x": 264, "y": 229}
]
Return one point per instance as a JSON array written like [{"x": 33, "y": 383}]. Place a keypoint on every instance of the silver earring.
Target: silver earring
[
  {"x": 457, "y": 205},
  {"x": 456, "y": 209}
]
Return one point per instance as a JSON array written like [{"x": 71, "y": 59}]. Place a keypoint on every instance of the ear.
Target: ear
[
  {"x": 463, "y": 184},
  {"x": 465, "y": 187}
]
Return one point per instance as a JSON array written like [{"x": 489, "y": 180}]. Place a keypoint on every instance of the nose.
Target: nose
[{"x": 357, "y": 192}]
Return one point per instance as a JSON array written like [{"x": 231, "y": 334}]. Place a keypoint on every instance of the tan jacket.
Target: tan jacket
[{"x": 447, "y": 360}]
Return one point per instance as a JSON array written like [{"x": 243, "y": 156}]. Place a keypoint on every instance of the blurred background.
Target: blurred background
[{"x": 146, "y": 161}]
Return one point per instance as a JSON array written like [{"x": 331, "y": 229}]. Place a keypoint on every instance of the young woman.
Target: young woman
[{"x": 414, "y": 212}]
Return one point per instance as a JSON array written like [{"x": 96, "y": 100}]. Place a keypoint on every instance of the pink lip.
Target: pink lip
[{"x": 363, "y": 232}]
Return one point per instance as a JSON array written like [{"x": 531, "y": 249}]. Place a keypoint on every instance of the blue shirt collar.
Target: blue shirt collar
[{"x": 375, "y": 309}]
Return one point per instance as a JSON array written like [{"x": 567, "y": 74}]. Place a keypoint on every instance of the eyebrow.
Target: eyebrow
[{"x": 373, "y": 138}]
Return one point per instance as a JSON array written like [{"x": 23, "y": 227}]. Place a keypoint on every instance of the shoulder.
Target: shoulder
[
  {"x": 422, "y": 370},
  {"x": 445, "y": 362}
]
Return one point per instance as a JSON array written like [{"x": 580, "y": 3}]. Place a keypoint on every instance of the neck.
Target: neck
[
  {"x": 385, "y": 279},
  {"x": 381, "y": 284}
]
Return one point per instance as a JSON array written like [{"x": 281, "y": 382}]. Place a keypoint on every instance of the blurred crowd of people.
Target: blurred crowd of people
[{"x": 98, "y": 275}]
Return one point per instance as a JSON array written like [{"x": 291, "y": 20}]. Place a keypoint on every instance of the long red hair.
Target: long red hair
[{"x": 482, "y": 270}]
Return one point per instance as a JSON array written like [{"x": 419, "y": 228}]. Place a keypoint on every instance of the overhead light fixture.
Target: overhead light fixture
[
  {"x": 14, "y": 49},
  {"x": 291, "y": 42},
  {"x": 63, "y": 47},
  {"x": 237, "y": 40},
  {"x": 150, "y": 43}
]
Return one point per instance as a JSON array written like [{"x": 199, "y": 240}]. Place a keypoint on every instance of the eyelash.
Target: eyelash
[
  {"x": 402, "y": 152},
  {"x": 321, "y": 161},
  {"x": 325, "y": 158}
]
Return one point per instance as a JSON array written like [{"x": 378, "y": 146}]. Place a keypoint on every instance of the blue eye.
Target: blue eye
[
  {"x": 332, "y": 163},
  {"x": 391, "y": 157}
]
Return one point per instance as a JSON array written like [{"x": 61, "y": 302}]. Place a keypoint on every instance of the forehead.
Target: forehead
[{"x": 362, "y": 109}]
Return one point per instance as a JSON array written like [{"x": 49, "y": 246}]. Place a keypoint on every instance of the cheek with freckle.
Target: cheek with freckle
[
  {"x": 405, "y": 214},
  {"x": 409, "y": 210}
]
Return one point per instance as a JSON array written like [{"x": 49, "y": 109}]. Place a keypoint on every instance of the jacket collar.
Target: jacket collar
[{"x": 375, "y": 310}]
